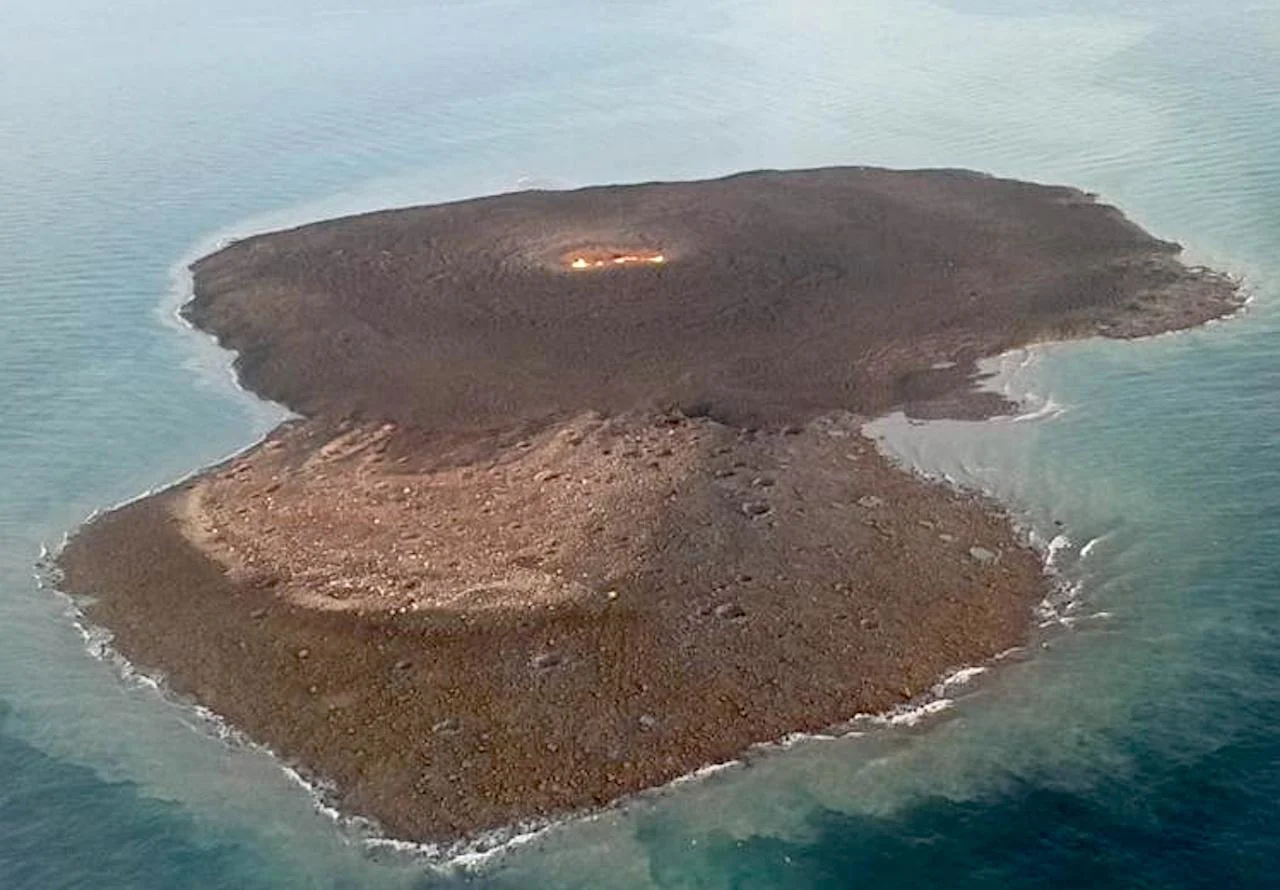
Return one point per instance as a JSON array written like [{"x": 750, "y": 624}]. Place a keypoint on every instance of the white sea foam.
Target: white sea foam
[
  {"x": 1073, "y": 620},
  {"x": 1054, "y": 608},
  {"x": 910, "y": 715},
  {"x": 703, "y": 772},
  {"x": 1048, "y": 410},
  {"x": 960, "y": 677},
  {"x": 481, "y": 850},
  {"x": 473, "y": 859},
  {"x": 1059, "y": 543},
  {"x": 789, "y": 741},
  {"x": 1088, "y": 548},
  {"x": 98, "y": 644}
]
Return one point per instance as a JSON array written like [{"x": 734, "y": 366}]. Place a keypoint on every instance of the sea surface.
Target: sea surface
[{"x": 1134, "y": 743}]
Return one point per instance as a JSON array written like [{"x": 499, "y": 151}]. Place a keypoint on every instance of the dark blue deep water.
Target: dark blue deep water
[{"x": 1135, "y": 743}]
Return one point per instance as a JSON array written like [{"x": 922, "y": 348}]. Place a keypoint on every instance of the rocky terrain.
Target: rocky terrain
[{"x": 554, "y": 527}]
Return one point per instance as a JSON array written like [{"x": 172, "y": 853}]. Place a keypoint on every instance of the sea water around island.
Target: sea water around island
[{"x": 1134, "y": 743}]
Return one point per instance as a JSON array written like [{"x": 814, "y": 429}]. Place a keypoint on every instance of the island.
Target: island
[{"x": 577, "y": 499}]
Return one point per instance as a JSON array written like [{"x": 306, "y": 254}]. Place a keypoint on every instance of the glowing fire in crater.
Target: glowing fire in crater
[{"x": 582, "y": 263}]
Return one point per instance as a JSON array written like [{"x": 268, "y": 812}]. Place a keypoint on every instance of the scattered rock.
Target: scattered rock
[
  {"x": 870, "y": 501},
  {"x": 983, "y": 555},
  {"x": 756, "y": 508},
  {"x": 546, "y": 660},
  {"x": 730, "y": 612},
  {"x": 546, "y": 476},
  {"x": 648, "y": 722},
  {"x": 449, "y": 726},
  {"x": 304, "y": 653}
]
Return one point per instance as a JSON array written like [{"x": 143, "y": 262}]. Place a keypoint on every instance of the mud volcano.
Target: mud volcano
[{"x": 578, "y": 501}]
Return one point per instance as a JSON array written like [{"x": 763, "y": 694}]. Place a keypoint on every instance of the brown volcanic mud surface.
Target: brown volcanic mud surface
[
  {"x": 785, "y": 295},
  {"x": 546, "y": 536}
]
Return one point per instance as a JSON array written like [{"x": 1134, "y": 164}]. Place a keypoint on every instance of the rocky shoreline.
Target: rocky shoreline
[{"x": 549, "y": 534}]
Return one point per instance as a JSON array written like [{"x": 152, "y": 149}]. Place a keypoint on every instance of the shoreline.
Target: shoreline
[
  {"x": 630, "y": 424},
  {"x": 477, "y": 850},
  {"x": 908, "y": 699}
]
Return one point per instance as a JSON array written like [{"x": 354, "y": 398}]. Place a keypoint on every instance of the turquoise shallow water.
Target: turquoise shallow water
[{"x": 1137, "y": 747}]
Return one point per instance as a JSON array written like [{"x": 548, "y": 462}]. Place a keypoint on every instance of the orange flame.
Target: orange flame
[{"x": 581, "y": 263}]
